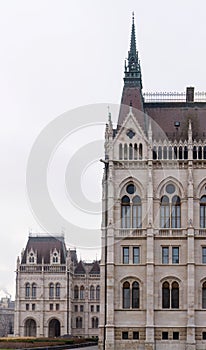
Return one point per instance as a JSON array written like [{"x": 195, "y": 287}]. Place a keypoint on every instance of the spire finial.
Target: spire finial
[{"x": 132, "y": 69}]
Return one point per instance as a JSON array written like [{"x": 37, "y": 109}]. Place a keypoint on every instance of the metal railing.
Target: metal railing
[{"x": 199, "y": 96}]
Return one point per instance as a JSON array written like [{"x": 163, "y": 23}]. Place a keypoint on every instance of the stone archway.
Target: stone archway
[
  {"x": 30, "y": 328},
  {"x": 54, "y": 328}
]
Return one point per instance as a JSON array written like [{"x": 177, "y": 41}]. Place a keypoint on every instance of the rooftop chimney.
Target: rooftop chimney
[{"x": 190, "y": 94}]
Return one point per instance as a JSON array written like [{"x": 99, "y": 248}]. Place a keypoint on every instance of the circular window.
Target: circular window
[
  {"x": 170, "y": 188},
  {"x": 131, "y": 189}
]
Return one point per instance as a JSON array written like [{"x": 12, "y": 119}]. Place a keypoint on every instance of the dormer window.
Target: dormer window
[
  {"x": 55, "y": 257},
  {"x": 31, "y": 257}
]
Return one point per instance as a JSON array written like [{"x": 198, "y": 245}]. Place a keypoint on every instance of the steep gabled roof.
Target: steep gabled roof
[
  {"x": 80, "y": 270},
  {"x": 95, "y": 270}
]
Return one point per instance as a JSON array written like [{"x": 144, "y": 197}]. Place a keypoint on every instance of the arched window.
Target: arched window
[
  {"x": 130, "y": 151},
  {"x": 194, "y": 152},
  {"x": 120, "y": 151},
  {"x": 131, "y": 209},
  {"x": 33, "y": 290},
  {"x": 126, "y": 295},
  {"x": 176, "y": 212},
  {"x": 204, "y": 295},
  {"x": 135, "y": 151},
  {"x": 135, "y": 295},
  {"x": 140, "y": 151},
  {"x": 159, "y": 152},
  {"x": 136, "y": 212},
  {"x": 51, "y": 290},
  {"x": 27, "y": 290},
  {"x": 164, "y": 152},
  {"x": 55, "y": 259},
  {"x": 76, "y": 292},
  {"x": 170, "y": 212},
  {"x": 57, "y": 290},
  {"x": 165, "y": 212},
  {"x": 175, "y": 295},
  {"x": 82, "y": 292},
  {"x": 165, "y": 295},
  {"x": 200, "y": 152},
  {"x": 125, "y": 212},
  {"x": 154, "y": 153},
  {"x": 180, "y": 152},
  {"x": 95, "y": 322},
  {"x": 92, "y": 293},
  {"x": 175, "y": 152},
  {"x": 203, "y": 212},
  {"x": 185, "y": 153},
  {"x": 31, "y": 258},
  {"x": 170, "y": 152},
  {"x": 125, "y": 151},
  {"x": 98, "y": 292},
  {"x": 204, "y": 152},
  {"x": 78, "y": 322},
  {"x": 170, "y": 295}
]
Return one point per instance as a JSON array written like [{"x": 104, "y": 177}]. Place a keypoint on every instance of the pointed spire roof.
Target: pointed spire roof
[
  {"x": 80, "y": 270},
  {"x": 132, "y": 66},
  {"x": 95, "y": 270},
  {"x": 132, "y": 91}
]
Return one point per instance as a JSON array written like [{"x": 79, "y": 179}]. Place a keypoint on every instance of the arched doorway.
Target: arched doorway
[
  {"x": 54, "y": 328},
  {"x": 30, "y": 328}
]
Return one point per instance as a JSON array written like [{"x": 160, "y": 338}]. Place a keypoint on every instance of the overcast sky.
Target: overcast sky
[{"x": 56, "y": 55}]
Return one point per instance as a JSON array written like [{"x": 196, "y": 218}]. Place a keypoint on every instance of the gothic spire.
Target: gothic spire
[{"x": 132, "y": 66}]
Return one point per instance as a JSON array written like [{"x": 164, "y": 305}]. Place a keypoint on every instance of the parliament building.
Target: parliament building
[
  {"x": 153, "y": 265},
  {"x": 149, "y": 290}
]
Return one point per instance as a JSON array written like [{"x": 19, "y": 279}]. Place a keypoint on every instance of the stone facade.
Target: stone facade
[
  {"x": 55, "y": 293},
  {"x": 153, "y": 265},
  {"x": 6, "y": 316}
]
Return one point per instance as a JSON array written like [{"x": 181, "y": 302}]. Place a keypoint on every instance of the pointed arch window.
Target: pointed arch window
[
  {"x": 33, "y": 290},
  {"x": 27, "y": 290},
  {"x": 204, "y": 295},
  {"x": 95, "y": 322},
  {"x": 185, "y": 152},
  {"x": 78, "y": 322},
  {"x": 92, "y": 293},
  {"x": 154, "y": 152},
  {"x": 130, "y": 151},
  {"x": 200, "y": 152},
  {"x": 131, "y": 210},
  {"x": 98, "y": 293},
  {"x": 203, "y": 212},
  {"x": 165, "y": 295},
  {"x": 126, "y": 295},
  {"x": 136, "y": 212},
  {"x": 180, "y": 152},
  {"x": 51, "y": 290},
  {"x": 165, "y": 212},
  {"x": 135, "y": 151},
  {"x": 175, "y": 295},
  {"x": 58, "y": 290},
  {"x": 76, "y": 292},
  {"x": 82, "y": 292},
  {"x": 164, "y": 152},
  {"x": 170, "y": 212},
  {"x": 140, "y": 151},
  {"x": 125, "y": 151},
  {"x": 159, "y": 152},
  {"x": 176, "y": 214},
  {"x": 120, "y": 151},
  {"x": 135, "y": 295},
  {"x": 170, "y": 295},
  {"x": 125, "y": 212}
]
